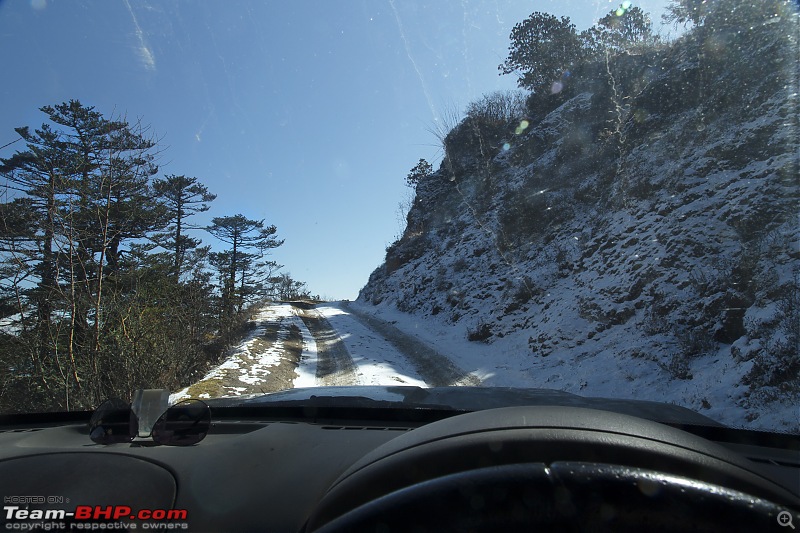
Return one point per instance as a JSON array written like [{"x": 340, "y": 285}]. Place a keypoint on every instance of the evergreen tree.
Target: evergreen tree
[
  {"x": 421, "y": 170},
  {"x": 83, "y": 181},
  {"x": 685, "y": 11},
  {"x": 245, "y": 237},
  {"x": 620, "y": 30},
  {"x": 183, "y": 197},
  {"x": 632, "y": 25},
  {"x": 288, "y": 288},
  {"x": 38, "y": 175},
  {"x": 112, "y": 168},
  {"x": 100, "y": 313},
  {"x": 542, "y": 49}
]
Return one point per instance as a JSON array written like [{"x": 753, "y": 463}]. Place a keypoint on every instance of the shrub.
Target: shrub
[
  {"x": 526, "y": 215},
  {"x": 475, "y": 135},
  {"x": 500, "y": 107},
  {"x": 482, "y": 130},
  {"x": 403, "y": 251},
  {"x": 778, "y": 363},
  {"x": 694, "y": 342},
  {"x": 460, "y": 264},
  {"x": 481, "y": 333},
  {"x": 520, "y": 294}
]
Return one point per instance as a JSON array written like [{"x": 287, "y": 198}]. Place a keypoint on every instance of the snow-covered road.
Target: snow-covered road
[
  {"x": 299, "y": 345},
  {"x": 375, "y": 360}
]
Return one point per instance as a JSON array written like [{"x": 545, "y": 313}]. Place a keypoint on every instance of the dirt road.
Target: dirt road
[
  {"x": 335, "y": 367},
  {"x": 292, "y": 344}
]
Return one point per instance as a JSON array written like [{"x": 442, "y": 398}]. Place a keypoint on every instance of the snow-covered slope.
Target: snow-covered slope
[{"x": 637, "y": 236}]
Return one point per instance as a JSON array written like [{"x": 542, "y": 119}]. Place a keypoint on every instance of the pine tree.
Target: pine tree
[
  {"x": 182, "y": 198},
  {"x": 542, "y": 49},
  {"x": 84, "y": 180},
  {"x": 421, "y": 170},
  {"x": 246, "y": 237},
  {"x": 37, "y": 174}
]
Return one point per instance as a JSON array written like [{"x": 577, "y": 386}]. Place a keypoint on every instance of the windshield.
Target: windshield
[{"x": 238, "y": 198}]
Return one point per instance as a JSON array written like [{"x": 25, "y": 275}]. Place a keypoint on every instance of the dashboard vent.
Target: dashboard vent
[
  {"x": 366, "y": 428},
  {"x": 237, "y": 427},
  {"x": 774, "y": 463}
]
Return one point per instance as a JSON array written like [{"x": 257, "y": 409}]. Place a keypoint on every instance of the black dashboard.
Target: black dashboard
[
  {"x": 337, "y": 465},
  {"x": 246, "y": 475}
]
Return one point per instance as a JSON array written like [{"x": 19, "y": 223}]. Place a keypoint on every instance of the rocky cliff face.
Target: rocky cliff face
[{"x": 648, "y": 210}]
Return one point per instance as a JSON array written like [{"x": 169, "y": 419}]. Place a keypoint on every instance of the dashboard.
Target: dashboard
[{"x": 305, "y": 466}]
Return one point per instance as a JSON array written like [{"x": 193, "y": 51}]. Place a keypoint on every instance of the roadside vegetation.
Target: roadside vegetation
[{"x": 105, "y": 286}]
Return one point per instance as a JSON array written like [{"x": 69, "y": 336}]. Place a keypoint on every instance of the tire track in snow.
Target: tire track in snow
[
  {"x": 335, "y": 366},
  {"x": 309, "y": 353},
  {"x": 433, "y": 367},
  {"x": 377, "y": 361}
]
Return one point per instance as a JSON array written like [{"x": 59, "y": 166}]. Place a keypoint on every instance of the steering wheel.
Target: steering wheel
[{"x": 551, "y": 468}]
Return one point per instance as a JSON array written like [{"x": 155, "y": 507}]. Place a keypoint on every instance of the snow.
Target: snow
[
  {"x": 307, "y": 369},
  {"x": 251, "y": 363},
  {"x": 11, "y": 325},
  {"x": 631, "y": 282},
  {"x": 377, "y": 360},
  {"x": 594, "y": 369}
]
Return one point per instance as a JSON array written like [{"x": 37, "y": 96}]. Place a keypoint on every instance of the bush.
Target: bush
[
  {"x": 487, "y": 122},
  {"x": 520, "y": 294},
  {"x": 526, "y": 215},
  {"x": 403, "y": 251},
  {"x": 656, "y": 314},
  {"x": 778, "y": 363},
  {"x": 498, "y": 107},
  {"x": 481, "y": 333},
  {"x": 473, "y": 136}
]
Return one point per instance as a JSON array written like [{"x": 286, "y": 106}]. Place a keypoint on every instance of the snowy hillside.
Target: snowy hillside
[{"x": 635, "y": 236}]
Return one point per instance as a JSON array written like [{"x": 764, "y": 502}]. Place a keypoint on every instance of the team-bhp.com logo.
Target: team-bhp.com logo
[{"x": 93, "y": 517}]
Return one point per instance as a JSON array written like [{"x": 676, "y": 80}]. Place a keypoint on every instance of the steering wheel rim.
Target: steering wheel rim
[
  {"x": 458, "y": 448},
  {"x": 559, "y": 497}
]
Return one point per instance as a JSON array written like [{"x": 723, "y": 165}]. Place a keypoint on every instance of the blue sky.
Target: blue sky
[{"x": 308, "y": 114}]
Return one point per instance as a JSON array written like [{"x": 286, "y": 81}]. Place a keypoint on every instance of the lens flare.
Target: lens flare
[
  {"x": 623, "y": 8},
  {"x": 523, "y": 125}
]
